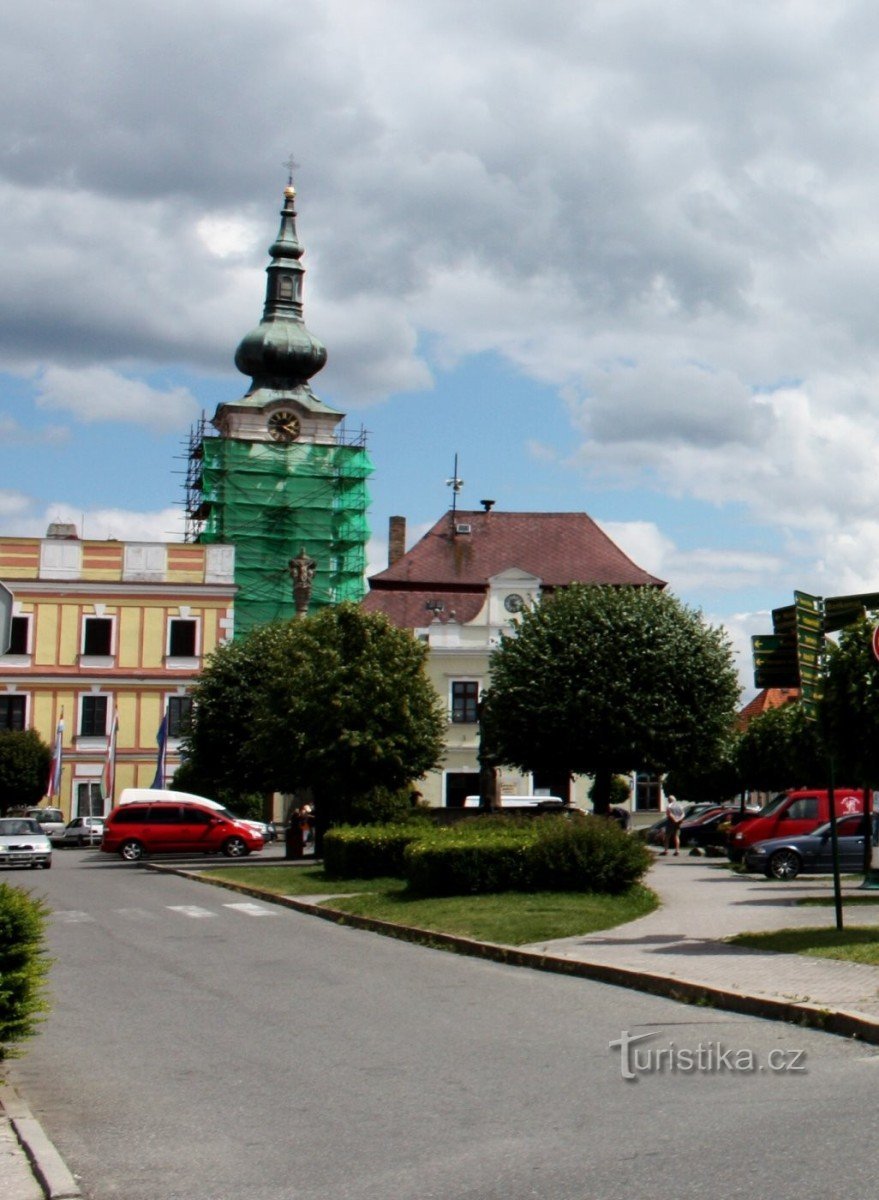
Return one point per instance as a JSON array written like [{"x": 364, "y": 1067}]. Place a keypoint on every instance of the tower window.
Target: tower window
[{"x": 285, "y": 288}]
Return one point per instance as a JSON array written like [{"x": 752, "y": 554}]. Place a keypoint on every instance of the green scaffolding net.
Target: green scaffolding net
[{"x": 270, "y": 501}]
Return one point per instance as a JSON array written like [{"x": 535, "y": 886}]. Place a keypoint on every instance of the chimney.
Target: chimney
[
  {"x": 62, "y": 531},
  {"x": 396, "y": 539}
]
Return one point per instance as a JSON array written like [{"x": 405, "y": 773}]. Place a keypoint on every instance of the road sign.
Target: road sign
[
  {"x": 5, "y": 618},
  {"x": 876, "y": 641},
  {"x": 810, "y": 649},
  {"x": 775, "y": 661}
]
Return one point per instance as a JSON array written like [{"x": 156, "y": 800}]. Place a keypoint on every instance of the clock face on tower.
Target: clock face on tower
[{"x": 283, "y": 426}]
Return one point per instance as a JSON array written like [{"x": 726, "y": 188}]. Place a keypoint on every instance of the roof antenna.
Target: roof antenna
[{"x": 455, "y": 483}]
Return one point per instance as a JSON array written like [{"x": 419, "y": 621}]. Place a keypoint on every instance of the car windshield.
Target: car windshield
[
  {"x": 18, "y": 828},
  {"x": 768, "y": 809}
]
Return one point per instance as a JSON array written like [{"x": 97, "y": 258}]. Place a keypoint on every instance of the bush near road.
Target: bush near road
[{"x": 23, "y": 966}]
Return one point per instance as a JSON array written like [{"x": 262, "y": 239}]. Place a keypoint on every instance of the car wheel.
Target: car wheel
[
  {"x": 784, "y": 864},
  {"x": 131, "y": 850},
  {"x": 235, "y": 847}
]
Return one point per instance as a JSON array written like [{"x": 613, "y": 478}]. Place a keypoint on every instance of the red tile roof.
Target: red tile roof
[
  {"x": 763, "y": 701},
  {"x": 557, "y": 548}
]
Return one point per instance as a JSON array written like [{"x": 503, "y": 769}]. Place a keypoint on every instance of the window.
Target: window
[
  {"x": 89, "y": 800},
  {"x": 12, "y": 712},
  {"x": 97, "y": 638},
  {"x": 179, "y": 710},
  {"x": 181, "y": 638},
  {"x": 465, "y": 702},
  {"x": 804, "y": 809},
  {"x": 164, "y": 814},
  {"x": 18, "y": 635},
  {"x": 196, "y": 816},
  {"x": 648, "y": 790},
  {"x": 93, "y": 718}
]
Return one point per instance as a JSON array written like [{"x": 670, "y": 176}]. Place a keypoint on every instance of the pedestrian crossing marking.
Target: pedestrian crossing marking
[
  {"x": 252, "y": 910},
  {"x": 191, "y": 910},
  {"x": 136, "y": 914},
  {"x": 72, "y": 916}
]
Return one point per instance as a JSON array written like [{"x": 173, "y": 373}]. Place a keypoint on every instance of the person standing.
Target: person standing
[{"x": 674, "y": 819}]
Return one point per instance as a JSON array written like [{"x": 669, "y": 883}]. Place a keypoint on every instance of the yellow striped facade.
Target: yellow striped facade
[{"x": 107, "y": 632}]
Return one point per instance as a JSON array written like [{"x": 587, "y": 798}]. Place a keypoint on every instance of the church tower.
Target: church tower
[{"x": 279, "y": 476}]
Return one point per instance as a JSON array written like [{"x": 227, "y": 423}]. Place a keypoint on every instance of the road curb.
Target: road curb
[
  {"x": 49, "y": 1168},
  {"x": 809, "y": 1016}
]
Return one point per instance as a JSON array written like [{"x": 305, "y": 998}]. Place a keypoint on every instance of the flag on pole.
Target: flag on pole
[
  {"x": 110, "y": 765},
  {"x": 53, "y": 787},
  {"x": 162, "y": 741}
]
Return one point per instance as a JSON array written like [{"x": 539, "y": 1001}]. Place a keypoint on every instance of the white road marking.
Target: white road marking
[
  {"x": 72, "y": 916},
  {"x": 136, "y": 914},
  {"x": 191, "y": 910},
  {"x": 252, "y": 910}
]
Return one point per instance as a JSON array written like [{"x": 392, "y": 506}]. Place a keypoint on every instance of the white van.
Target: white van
[{"x": 519, "y": 801}]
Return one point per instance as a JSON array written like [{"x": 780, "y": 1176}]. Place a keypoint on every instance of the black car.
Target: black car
[{"x": 785, "y": 858}]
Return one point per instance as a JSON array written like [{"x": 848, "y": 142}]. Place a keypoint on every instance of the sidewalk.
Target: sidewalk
[
  {"x": 30, "y": 1166},
  {"x": 704, "y": 902}
]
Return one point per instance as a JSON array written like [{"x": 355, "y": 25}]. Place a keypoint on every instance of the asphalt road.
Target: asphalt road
[{"x": 205, "y": 1046}]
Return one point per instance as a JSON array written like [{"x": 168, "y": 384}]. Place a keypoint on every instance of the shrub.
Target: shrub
[
  {"x": 381, "y": 806},
  {"x": 368, "y": 851},
  {"x": 538, "y": 854},
  {"x": 23, "y": 966},
  {"x": 594, "y": 855},
  {"x": 476, "y": 857}
]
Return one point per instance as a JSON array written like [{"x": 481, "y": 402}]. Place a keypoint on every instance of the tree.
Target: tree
[
  {"x": 337, "y": 703},
  {"x": 780, "y": 749},
  {"x": 606, "y": 680},
  {"x": 848, "y": 715},
  {"x": 24, "y": 767}
]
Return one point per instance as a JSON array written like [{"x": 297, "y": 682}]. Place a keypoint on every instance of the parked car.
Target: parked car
[
  {"x": 81, "y": 831},
  {"x": 786, "y": 857},
  {"x": 154, "y": 795},
  {"x": 656, "y": 832},
  {"x": 166, "y": 827},
  {"x": 24, "y": 844},
  {"x": 790, "y": 814},
  {"x": 51, "y": 820}
]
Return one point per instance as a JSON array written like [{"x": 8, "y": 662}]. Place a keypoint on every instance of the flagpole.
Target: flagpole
[{"x": 110, "y": 766}]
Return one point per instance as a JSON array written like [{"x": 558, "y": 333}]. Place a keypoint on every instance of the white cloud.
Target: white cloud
[{"x": 100, "y": 394}]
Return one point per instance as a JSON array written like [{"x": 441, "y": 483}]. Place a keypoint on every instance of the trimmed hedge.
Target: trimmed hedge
[
  {"x": 540, "y": 854},
  {"x": 491, "y": 854},
  {"x": 23, "y": 966},
  {"x": 368, "y": 851}
]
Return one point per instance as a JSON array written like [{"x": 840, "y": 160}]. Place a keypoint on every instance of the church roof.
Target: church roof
[{"x": 462, "y": 552}]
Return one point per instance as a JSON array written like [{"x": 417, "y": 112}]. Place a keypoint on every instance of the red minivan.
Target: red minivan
[
  {"x": 134, "y": 830},
  {"x": 792, "y": 813}
]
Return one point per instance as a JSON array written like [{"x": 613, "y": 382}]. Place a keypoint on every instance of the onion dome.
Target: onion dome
[{"x": 280, "y": 352}]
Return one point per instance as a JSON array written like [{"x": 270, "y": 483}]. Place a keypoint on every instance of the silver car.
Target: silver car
[
  {"x": 24, "y": 844},
  {"x": 81, "y": 831}
]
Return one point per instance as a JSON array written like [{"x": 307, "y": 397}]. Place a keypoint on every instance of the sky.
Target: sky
[{"x": 618, "y": 256}]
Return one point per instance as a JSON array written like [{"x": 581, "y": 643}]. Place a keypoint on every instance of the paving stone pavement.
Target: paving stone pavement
[{"x": 704, "y": 902}]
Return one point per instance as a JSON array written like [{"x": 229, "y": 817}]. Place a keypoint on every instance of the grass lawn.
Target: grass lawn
[
  {"x": 858, "y": 944},
  {"x": 512, "y": 918},
  {"x": 297, "y": 881}
]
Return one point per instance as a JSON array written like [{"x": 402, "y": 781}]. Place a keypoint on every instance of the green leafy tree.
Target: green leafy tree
[
  {"x": 24, "y": 767},
  {"x": 337, "y": 703},
  {"x": 780, "y": 749},
  {"x": 849, "y": 710},
  {"x": 23, "y": 966},
  {"x": 606, "y": 680}
]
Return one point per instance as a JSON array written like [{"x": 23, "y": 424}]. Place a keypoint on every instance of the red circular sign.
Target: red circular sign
[{"x": 876, "y": 642}]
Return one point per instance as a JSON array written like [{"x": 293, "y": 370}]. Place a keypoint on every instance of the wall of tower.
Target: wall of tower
[{"x": 270, "y": 502}]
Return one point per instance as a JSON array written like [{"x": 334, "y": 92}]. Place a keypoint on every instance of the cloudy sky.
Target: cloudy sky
[{"x": 620, "y": 256}]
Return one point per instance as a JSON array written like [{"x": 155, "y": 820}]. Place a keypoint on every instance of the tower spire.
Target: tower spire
[{"x": 280, "y": 352}]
